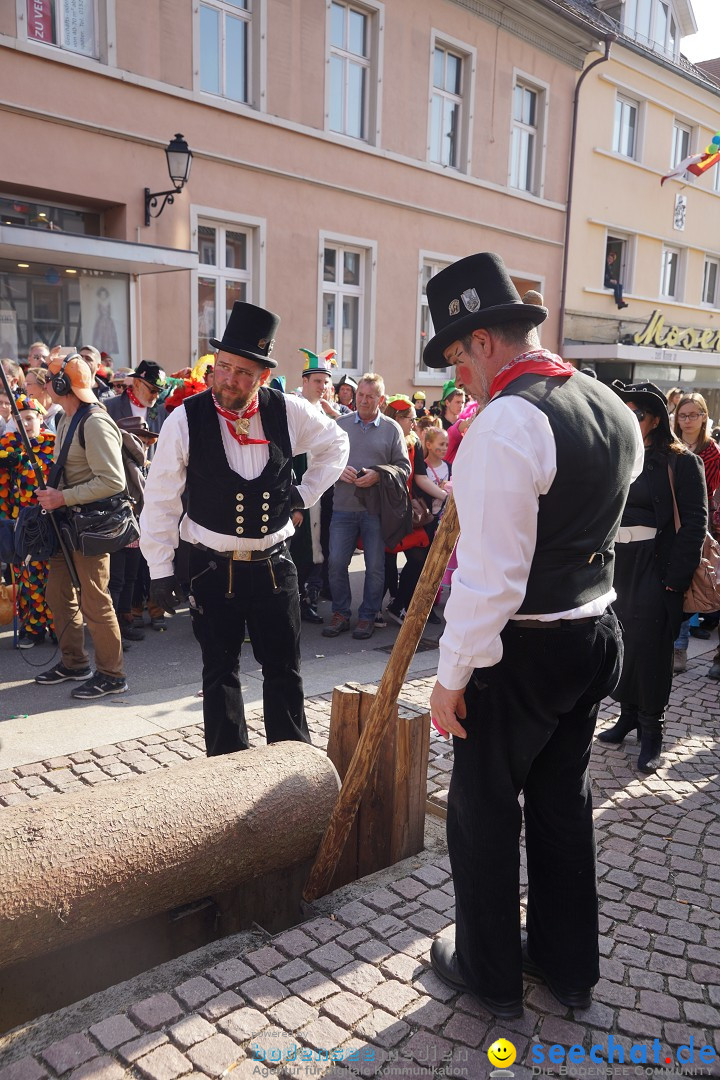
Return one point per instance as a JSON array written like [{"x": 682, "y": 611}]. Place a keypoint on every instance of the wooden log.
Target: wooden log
[
  {"x": 375, "y": 729},
  {"x": 412, "y": 743},
  {"x": 83, "y": 864}
]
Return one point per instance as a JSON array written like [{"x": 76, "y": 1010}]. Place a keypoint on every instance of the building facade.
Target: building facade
[
  {"x": 640, "y": 114},
  {"x": 343, "y": 152}
]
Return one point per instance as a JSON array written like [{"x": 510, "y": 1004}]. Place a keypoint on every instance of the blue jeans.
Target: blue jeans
[{"x": 345, "y": 528}]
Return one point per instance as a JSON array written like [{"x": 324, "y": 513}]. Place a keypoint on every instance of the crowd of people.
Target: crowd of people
[{"x": 576, "y": 501}]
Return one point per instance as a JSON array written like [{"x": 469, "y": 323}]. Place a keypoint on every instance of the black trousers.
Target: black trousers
[
  {"x": 265, "y": 600},
  {"x": 530, "y": 725},
  {"x": 124, "y": 572}
]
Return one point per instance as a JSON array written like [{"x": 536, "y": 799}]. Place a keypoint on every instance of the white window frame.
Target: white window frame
[
  {"x": 629, "y": 22},
  {"x": 224, "y": 219},
  {"x": 374, "y": 10},
  {"x": 714, "y": 301},
  {"x": 468, "y": 56},
  {"x": 542, "y": 89},
  {"x": 257, "y": 53},
  {"x": 627, "y": 263},
  {"x": 672, "y": 249},
  {"x": 366, "y": 292},
  {"x": 623, "y": 101},
  {"x": 676, "y": 156},
  {"x": 105, "y": 36},
  {"x": 424, "y": 376}
]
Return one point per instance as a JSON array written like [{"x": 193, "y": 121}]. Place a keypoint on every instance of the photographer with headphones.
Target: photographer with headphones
[{"x": 90, "y": 473}]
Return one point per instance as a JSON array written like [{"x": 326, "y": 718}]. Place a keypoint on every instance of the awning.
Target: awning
[
  {"x": 641, "y": 354},
  {"x": 26, "y": 244}
]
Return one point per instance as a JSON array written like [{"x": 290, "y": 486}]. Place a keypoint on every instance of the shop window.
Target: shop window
[
  {"x": 451, "y": 94},
  {"x": 76, "y": 26},
  {"x": 52, "y": 217},
  {"x": 229, "y": 38},
  {"x": 225, "y": 274},
  {"x": 354, "y": 45},
  {"x": 63, "y": 306}
]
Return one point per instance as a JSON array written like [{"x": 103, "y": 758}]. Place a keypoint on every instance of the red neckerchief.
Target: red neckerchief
[
  {"x": 539, "y": 362},
  {"x": 239, "y": 423},
  {"x": 134, "y": 400}
]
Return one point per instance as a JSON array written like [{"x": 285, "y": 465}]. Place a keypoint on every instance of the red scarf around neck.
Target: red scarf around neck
[
  {"x": 138, "y": 404},
  {"x": 238, "y": 424},
  {"x": 539, "y": 362}
]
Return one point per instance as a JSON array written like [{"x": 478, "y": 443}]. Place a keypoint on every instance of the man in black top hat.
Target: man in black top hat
[
  {"x": 531, "y": 644},
  {"x": 230, "y": 450}
]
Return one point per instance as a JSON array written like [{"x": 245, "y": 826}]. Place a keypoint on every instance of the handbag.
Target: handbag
[
  {"x": 421, "y": 513},
  {"x": 703, "y": 592},
  {"x": 102, "y": 527}
]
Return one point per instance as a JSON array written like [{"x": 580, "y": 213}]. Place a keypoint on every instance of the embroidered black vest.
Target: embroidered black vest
[
  {"x": 222, "y": 500},
  {"x": 579, "y": 516}
]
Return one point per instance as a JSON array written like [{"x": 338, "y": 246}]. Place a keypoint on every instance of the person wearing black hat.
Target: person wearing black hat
[
  {"x": 140, "y": 397},
  {"x": 653, "y": 568},
  {"x": 230, "y": 450},
  {"x": 531, "y": 645}
]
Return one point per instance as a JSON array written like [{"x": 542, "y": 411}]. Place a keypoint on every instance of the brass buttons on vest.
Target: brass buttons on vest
[
  {"x": 239, "y": 496},
  {"x": 240, "y": 530},
  {"x": 263, "y": 528},
  {"x": 240, "y": 520},
  {"x": 266, "y": 506},
  {"x": 265, "y": 517}
]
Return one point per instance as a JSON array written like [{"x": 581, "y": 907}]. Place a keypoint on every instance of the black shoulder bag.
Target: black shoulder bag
[{"x": 101, "y": 527}]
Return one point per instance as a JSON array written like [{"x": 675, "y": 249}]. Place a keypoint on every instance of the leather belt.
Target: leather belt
[
  {"x": 552, "y": 624},
  {"x": 245, "y": 556},
  {"x": 631, "y": 534}
]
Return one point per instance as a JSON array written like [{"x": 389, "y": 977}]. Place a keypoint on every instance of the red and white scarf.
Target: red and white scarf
[
  {"x": 539, "y": 362},
  {"x": 136, "y": 401},
  {"x": 238, "y": 423}
]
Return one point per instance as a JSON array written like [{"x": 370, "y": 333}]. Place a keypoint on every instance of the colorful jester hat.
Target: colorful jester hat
[{"x": 324, "y": 361}]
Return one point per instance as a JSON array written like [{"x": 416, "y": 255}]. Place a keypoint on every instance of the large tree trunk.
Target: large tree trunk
[{"x": 82, "y": 864}]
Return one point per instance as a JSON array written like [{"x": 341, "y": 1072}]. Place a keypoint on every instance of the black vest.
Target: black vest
[
  {"x": 222, "y": 500},
  {"x": 579, "y": 516}
]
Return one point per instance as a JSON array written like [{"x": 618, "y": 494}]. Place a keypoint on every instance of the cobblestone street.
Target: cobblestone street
[{"x": 355, "y": 980}]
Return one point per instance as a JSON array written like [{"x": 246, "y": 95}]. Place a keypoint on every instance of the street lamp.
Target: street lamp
[{"x": 179, "y": 160}]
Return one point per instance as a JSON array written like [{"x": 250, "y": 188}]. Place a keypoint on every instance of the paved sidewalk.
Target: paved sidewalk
[{"x": 355, "y": 979}]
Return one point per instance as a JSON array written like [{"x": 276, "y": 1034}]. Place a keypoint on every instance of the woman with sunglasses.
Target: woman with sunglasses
[
  {"x": 653, "y": 567},
  {"x": 690, "y": 424}
]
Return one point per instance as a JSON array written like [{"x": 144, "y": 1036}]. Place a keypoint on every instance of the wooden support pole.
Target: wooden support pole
[{"x": 375, "y": 728}]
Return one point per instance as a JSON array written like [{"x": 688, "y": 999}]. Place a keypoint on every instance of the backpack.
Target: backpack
[{"x": 133, "y": 459}]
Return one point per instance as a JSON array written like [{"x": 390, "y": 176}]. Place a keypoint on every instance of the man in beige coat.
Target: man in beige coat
[{"x": 93, "y": 471}]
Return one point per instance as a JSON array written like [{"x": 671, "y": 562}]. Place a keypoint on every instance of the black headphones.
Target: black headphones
[{"x": 61, "y": 382}]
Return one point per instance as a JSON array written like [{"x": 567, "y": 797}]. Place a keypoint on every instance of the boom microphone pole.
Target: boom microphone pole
[{"x": 25, "y": 439}]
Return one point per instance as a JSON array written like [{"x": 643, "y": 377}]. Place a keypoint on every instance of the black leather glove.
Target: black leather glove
[{"x": 165, "y": 592}]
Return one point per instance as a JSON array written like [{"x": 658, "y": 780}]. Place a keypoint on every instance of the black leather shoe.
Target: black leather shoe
[
  {"x": 308, "y": 613},
  {"x": 566, "y": 995},
  {"x": 445, "y": 965}
]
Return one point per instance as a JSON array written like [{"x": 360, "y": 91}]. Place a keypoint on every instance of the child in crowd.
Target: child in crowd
[{"x": 436, "y": 444}]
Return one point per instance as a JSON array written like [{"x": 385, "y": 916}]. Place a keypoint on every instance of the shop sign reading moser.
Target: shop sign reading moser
[{"x": 676, "y": 337}]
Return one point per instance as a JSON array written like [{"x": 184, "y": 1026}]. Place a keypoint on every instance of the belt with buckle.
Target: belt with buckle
[
  {"x": 552, "y": 624},
  {"x": 245, "y": 556}
]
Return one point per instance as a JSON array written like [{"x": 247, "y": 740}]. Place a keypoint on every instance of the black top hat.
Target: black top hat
[
  {"x": 250, "y": 332},
  {"x": 474, "y": 292},
  {"x": 151, "y": 373}
]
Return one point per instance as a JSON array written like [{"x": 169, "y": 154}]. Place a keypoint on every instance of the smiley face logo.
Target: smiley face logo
[{"x": 502, "y": 1054}]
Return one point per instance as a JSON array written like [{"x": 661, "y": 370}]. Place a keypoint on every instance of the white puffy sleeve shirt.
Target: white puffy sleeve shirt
[
  {"x": 506, "y": 461},
  {"x": 310, "y": 431}
]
